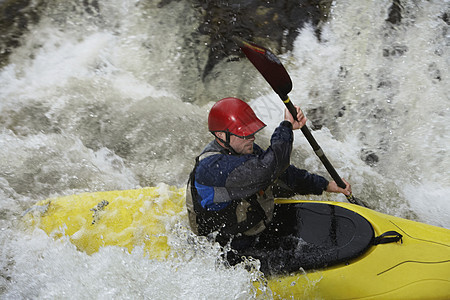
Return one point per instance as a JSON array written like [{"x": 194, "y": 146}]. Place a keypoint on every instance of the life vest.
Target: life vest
[{"x": 249, "y": 216}]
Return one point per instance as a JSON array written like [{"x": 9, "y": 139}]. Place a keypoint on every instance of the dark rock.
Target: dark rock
[
  {"x": 445, "y": 18},
  {"x": 15, "y": 17},
  {"x": 316, "y": 116},
  {"x": 18, "y": 16},
  {"x": 395, "y": 12},
  {"x": 369, "y": 157},
  {"x": 273, "y": 24}
]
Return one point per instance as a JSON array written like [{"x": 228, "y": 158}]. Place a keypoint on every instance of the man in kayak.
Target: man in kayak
[{"x": 232, "y": 187}]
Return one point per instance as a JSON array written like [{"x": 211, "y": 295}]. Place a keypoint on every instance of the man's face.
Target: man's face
[{"x": 242, "y": 145}]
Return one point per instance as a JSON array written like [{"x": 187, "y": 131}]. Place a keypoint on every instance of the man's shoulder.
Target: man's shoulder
[
  {"x": 213, "y": 156},
  {"x": 213, "y": 170},
  {"x": 219, "y": 164},
  {"x": 221, "y": 160},
  {"x": 213, "y": 146}
]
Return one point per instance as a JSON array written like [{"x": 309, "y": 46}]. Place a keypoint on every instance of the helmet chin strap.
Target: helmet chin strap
[{"x": 226, "y": 142}]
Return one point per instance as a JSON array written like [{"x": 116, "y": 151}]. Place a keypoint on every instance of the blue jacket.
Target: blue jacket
[{"x": 222, "y": 178}]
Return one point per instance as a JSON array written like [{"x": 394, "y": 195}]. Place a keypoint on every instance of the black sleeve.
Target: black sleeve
[
  {"x": 295, "y": 181},
  {"x": 257, "y": 172}
]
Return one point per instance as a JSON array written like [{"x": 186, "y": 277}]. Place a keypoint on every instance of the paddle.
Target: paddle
[{"x": 276, "y": 75}]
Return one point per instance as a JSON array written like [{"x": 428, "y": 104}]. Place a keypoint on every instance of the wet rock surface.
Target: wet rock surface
[
  {"x": 15, "y": 19},
  {"x": 272, "y": 23}
]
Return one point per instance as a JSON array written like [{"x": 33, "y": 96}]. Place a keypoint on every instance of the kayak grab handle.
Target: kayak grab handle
[{"x": 388, "y": 237}]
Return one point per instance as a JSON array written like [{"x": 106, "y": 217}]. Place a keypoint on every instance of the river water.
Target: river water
[{"x": 115, "y": 100}]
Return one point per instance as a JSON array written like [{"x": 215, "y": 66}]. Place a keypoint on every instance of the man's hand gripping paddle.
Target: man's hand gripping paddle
[{"x": 276, "y": 75}]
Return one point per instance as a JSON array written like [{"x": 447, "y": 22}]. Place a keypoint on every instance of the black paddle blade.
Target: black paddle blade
[{"x": 268, "y": 65}]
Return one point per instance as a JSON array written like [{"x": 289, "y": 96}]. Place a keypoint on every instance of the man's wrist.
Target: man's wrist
[{"x": 287, "y": 124}]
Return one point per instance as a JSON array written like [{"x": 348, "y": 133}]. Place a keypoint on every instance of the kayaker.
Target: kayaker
[{"x": 232, "y": 187}]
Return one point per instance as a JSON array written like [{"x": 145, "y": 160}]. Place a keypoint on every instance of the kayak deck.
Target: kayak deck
[
  {"x": 310, "y": 236},
  {"x": 417, "y": 267}
]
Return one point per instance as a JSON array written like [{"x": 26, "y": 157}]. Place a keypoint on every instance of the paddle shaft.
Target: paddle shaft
[
  {"x": 276, "y": 75},
  {"x": 312, "y": 141}
]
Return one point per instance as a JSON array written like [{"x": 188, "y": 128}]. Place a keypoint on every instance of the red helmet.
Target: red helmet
[{"x": 235, "y": 116}]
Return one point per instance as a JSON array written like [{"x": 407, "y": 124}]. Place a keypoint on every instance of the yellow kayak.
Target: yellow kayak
[
  {"x": 415, "y": 267},
  {"x": 356, "y": 253}
]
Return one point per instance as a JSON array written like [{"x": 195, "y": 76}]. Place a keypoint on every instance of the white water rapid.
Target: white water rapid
[{"x": 95, "y": 103}]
